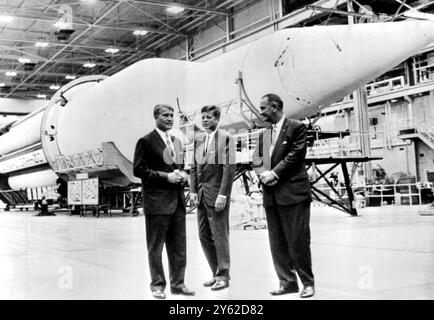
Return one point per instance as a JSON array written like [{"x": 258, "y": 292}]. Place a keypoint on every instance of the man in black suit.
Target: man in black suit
[
  {"x": 279, "y": 161},
  {"x": 158, "y": 162},
  {"x": 211, "y": 179}
]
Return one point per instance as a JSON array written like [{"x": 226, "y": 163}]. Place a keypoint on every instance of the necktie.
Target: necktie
[
  {"x": 170, "y": 146},
  {"x": 207, "y": 143},
  {"x": 273, "y": 138}
]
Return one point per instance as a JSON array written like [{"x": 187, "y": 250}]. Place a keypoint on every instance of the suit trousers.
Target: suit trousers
[
  {"x": 214, "y": 238},
  {"x": 171, "y": 231},
  {"x": 289, "y": 236}
]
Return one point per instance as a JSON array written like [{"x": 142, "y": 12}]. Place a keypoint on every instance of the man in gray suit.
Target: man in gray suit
[
  {"x": 279, "y": 161},
  {"x": 212, "y": 174}
]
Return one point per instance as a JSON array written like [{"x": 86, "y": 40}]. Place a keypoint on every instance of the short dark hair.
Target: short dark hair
[
  {"x": 158, "y": 107},
  {"x": 274, "y": 100},
  {"x": 211, "y": 108}
]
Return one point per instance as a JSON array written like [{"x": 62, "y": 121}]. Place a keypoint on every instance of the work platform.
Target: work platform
[
  {"x": 386, "y": 253},
  {"x": 342, "y": 201}
]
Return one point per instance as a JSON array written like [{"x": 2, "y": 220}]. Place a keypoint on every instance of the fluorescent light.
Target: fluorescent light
[
  {"x": 10, "y": 73},
  {"x": 24, "y": 60},
  {"x": 61, "y": 25},
  {"x": 112, "y": 50},
  {"x": 54, "y": 87},
  {"x": 6, "y": 18},
  {"x": 140, "y": 32},
  {"x": 41, "y": 44},
  {"x": 70, "y": 77},
  {"x": 174, "y": 9},
  {"x": 2, "y": 84},
  {"x": 89, "y": 65},
  {"x": 41, "y": 96}
]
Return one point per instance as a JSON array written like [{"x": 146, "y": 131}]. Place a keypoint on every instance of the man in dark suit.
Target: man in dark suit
[
  {"x": 212, "y": 174},
  {"x": 279, "y": 161},
  {"x": 158, "y": 162}
]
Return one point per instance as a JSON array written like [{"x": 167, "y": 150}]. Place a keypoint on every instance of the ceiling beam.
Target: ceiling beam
[
  {"x": 76, "y": 38},
  {"x": 77, "y": 46},
  {"x": 169, "y": 4},
  {"x": 100, "y": 26},
  {"x": 345, "y": 13}
]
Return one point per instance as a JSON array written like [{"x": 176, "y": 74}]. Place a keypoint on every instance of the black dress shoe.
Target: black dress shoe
[
  {"x": 159, "y": 294},
  {"x": 284, "y": 290},
  {"x": 220, "y": 284},
  {"x": 307, "y": 292},
  {"x": 184, "y": 291},
  {"x": 209, "y": 283}
]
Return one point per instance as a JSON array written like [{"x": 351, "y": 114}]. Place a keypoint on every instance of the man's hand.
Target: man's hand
[
  {"x": 194, "y": 199},
  {"x": 220, "y": 203},
  {"x": 184, "y": 176},
  {"x": 268, "y": 178},
  {"x": 174, "y": 178}
]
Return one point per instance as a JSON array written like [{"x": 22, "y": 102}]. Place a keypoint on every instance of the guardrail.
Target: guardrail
[
  {"x": 385, "y": 85},
  {"x": 386, "y": 194}
]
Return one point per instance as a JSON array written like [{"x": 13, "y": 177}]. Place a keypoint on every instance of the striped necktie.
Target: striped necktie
[{"x": 170, "y": 146}]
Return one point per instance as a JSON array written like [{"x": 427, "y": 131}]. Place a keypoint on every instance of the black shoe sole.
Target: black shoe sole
[
  {"x": 219, "y": 288},
  {"x": 283, "y": 292}
]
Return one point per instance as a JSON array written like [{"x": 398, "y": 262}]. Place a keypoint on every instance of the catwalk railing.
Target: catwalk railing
[{"x": 386, "y": 194}]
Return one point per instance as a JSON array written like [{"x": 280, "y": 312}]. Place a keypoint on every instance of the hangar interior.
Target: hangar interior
[
  {"x": 46, "y": 44},
  {"x": 103, "y": 37}
]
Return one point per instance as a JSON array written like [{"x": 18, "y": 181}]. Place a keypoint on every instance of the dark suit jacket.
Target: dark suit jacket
[
  {"x": 213, "y": 173},
  {"x": 152, "y": 164},
  {"x": 287, "y": 162}
]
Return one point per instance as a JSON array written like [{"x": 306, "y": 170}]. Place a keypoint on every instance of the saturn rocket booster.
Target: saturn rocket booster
[{"x": 309, "y": 68}]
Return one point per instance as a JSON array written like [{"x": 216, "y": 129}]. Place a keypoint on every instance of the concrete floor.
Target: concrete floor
[{"x": 385, "y": 253}]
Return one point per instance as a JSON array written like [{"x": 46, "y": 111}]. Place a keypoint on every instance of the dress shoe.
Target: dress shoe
[
  {"x": 220, "y": 284},
  {"x": 209, "y": 283},
  {"x": 184, "y": 291},
  {"x": 284, "y": 290},
  {"x": 307, "y": 292},
  {"x": 159, "y": 294}
]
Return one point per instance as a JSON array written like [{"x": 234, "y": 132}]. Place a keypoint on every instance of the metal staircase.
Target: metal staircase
[{"x": 417, "y": 129}]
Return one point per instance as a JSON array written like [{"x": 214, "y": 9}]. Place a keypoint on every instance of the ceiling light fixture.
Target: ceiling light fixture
[
  {"x": 112, "y": 50},
  {"x": 61, "y": 25},
  {"x": 41, "y": 44},
  {"x": 6, "y": 18},
  {"x": 89, "y": 65},
  {"x": 70, "y": 77},
  {"x": 24, "y": 60},
  {"x": 54, "y": 87},
  {"x": 140, "y": 32},
  {"x": 2, "y": 84},
  {"x": 41, "y": 96},
  {"x": 175, "y": 9},
  {"x": 10, "y": 73}
]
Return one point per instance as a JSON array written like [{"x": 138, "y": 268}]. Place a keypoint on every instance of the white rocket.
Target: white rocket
[{"x": 100, "y": 118}]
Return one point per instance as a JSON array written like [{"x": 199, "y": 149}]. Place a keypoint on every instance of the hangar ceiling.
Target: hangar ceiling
[{"x": 43, "y": 41}]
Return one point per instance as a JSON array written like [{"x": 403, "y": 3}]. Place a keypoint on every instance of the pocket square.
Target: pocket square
[{"x": 285, "y": 142}]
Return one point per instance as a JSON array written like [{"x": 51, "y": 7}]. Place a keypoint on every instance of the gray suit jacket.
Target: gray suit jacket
[
  {"x": 287, "y": 161},
  {"x": 212, "y": 173}
]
